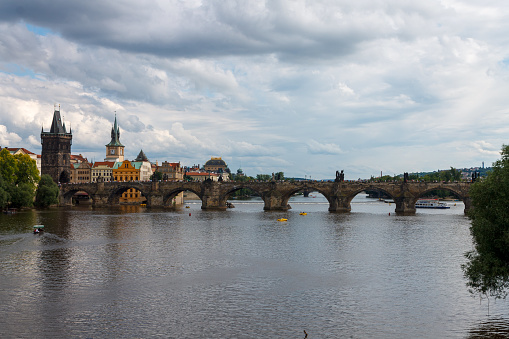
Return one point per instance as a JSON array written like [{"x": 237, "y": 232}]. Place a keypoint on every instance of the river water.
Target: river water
[{"x": 136, "y": 273}]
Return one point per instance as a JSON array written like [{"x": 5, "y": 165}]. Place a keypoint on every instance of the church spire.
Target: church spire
[{"x": 115, "y": 135}]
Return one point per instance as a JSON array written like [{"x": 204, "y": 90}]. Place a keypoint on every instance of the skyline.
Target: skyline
[{"x": 301, "y": 88}]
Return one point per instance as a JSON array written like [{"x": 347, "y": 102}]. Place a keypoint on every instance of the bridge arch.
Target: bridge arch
[
  {"x": 354, "y": 193},
  {"x": 69, "y": 191},
  {"x": 461, "y": 195},
  {"x": 309, "y": 187},
  {"x": 168, "y": 195},
  {"x": 116, "y": 193}
]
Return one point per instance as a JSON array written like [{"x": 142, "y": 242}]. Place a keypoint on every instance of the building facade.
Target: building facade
[
  {"x": 171, "y": 171},
  {"x": 81, "y": 172},
  {"x": 102, "y": 169},
  {"x": 128, "y": 171}
]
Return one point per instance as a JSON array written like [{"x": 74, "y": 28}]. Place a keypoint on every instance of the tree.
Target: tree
[
  {"x": 263, "y": 177},
  {"x": 22, "y": 195},
  {"x": 487, "y": 269},
  {"x": 26, "y": 170},
  {"x": 156, "y": 176},
  {"x": 47, "y": 192},
  {"x": 279, "y": 176},
  {"x": 5, "y": 197},
  {"x": 7, "y": 166},
  {"x": 20, "y": 175}
]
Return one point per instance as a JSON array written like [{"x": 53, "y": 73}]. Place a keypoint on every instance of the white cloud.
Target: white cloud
[
  {"x": 317, "y": 148},
  {"x": 401, "y": 86},
  {"x": 8, "y": 139}
]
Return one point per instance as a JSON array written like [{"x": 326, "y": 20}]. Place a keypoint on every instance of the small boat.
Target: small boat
[
  {"x": 282, "y": 219},
  {"x": 187, "y": 207},
  {"x": 38, "y": 228},
  {"x": 303, "y": 213},
  {"x": 431, "y": 203}
]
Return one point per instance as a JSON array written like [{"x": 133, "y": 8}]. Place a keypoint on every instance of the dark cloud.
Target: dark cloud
[{"x": 218, "y": 28}]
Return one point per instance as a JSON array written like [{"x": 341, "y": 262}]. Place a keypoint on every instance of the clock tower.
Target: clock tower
[{"x": 115, "y": 150}]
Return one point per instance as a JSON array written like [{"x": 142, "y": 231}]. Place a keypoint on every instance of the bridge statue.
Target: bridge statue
[{"x": 340, "y": 177}]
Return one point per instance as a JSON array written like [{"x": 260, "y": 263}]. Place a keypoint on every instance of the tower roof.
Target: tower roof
[
  {"x": 57, "y": 127},
  {"x": 115, "y": 135},
  {"x": 141, "y": 157}
]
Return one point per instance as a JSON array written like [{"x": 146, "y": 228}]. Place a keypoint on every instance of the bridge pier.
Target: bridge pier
[
  {"x": 339, "y": 204},
  {"x": 100, "y": 199},
  {"x": 155, "y": 200},
  {"x": 405, "y": 205},
  {"x": 274, "y": 201},
  {"x": 212, "y": 203},
  {"x": 212, "y": 199},
  {"x": 468, "y": 204}
]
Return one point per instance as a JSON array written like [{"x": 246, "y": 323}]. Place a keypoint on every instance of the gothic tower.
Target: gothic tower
[
  {"x": 56, "y": 150},
  {"x": 115, "y": 150}
]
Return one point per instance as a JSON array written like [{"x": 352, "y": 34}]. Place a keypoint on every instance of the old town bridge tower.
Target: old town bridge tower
[{"x": 56, "y": 150}]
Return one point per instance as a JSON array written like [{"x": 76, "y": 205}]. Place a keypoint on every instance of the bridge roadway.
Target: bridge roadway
[{"x": 274, "y": 194}]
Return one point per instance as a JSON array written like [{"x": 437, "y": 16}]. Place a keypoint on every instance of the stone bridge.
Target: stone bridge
[{"x": 275, "y": 194}]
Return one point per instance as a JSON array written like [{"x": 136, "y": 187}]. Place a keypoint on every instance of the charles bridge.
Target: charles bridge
[{"x": 275, "y": 194}]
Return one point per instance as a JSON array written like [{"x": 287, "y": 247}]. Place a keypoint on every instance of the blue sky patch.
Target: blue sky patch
[
  {"x": 39, "y": 30},
  {"x": 18, "y": 70}
]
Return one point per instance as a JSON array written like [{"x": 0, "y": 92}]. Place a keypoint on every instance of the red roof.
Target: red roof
[
  {"x": 78, "y": 158},
  {"x": 104, "y": 163},
  {"x": 14, "y": 150}
]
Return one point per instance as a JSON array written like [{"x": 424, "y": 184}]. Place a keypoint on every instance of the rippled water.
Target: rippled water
[{"x": 133, "y": 272}]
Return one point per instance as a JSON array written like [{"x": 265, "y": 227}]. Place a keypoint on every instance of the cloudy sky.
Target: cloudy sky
[{"x": 303, "y": 87}]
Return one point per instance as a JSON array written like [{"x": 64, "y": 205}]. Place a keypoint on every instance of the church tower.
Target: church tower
[
  {"x": 115, "y": 150},
  {"x": 56, "y": 150}
]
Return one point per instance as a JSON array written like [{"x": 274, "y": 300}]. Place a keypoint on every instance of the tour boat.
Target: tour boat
[{"x": 430, "y": 203}]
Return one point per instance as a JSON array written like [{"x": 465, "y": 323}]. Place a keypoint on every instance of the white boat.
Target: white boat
[{"x": 431, "y": 203}]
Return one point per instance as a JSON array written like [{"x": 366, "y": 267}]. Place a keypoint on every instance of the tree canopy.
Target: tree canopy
[
  {"x": 47, "y": 192},
  {"x": 487, "y": 269},
  {"x": 19, "y": 178}
]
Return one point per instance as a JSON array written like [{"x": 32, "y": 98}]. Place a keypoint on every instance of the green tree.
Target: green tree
[
  {"x": 157, "y": 176},
  {"x": 5, "y": 197},
  {"x": 487, "y": 269},
  {"x": 20, "y": 175},
  {"x": 8, "y": 166},
  {"x": 26, "y": 170},
  {"x": 22, "y": 195},
  {"x": 279, "y": 176},
  {"x": 263, "y": 177},
  {"x": 47, "y": 192}
]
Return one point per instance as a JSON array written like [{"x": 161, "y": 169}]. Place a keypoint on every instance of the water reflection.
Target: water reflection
[
  {"x": 136, "y": 272},
  {"x": 492, "y": 328}
]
